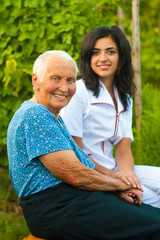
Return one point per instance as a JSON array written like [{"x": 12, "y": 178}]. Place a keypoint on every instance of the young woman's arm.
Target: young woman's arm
[
  {"x": 125, "y": 163},
  {"x": 98, "y": 167}
]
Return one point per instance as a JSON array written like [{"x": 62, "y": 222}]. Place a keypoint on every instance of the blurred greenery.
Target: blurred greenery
[
  {"x": 146, "y": 146},
  {"x": 150, "y": 38},
  {"x": 12, "y": 223}
]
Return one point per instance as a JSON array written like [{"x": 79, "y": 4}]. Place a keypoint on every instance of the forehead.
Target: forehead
[
  {"x": 105, "y": 42},
  {"x": 60, "y": 65}
]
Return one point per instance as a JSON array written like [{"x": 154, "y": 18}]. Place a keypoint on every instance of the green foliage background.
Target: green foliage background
[
  {"x": 30, "y": 27},
  {"x": 146, "y": 146}
]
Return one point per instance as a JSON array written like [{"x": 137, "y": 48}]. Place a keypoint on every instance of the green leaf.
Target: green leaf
[
  {"x": 31, "y": 4},
  {"x": 7, "y": 51},
  {"x": 22, "y": 37},
  {"x": 57, "y": 18},
  {"x": 67, "y": 38}
]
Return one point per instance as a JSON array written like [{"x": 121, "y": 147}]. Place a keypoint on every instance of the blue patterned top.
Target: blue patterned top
[{"x": 32, "y": 132}]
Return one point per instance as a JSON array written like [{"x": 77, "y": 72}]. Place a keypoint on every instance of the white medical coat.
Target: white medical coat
[{"x": 95, "y": 120}]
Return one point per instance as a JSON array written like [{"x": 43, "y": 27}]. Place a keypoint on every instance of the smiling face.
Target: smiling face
[
  {"x": 104, "y": 60},
  {"x": 57, "y": 85}
]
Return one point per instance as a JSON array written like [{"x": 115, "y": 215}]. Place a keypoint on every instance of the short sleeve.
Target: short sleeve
[
  {"x": 43, "y": 133},
  {"x": 73, "y": 113}
]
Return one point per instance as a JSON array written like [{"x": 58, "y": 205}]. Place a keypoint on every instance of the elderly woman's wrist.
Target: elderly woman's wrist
[{"x": 119, "y": 185}]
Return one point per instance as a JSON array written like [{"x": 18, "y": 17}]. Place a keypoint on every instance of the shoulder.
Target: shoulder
[
  {"x": 129, "y": 102},
  {"x": 33, "y": 110},
  {"x": 31, "y": 113},
  {"x": 81, "y": 96},
  {"x": 80, "y": 86},
  {"x": 81, "y": 91},
  {"x": 128, "y": 113},
  {"x": 77, "y": 106}
]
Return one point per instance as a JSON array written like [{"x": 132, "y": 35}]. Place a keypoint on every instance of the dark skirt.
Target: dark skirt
[{"x": 67, "y": 213}]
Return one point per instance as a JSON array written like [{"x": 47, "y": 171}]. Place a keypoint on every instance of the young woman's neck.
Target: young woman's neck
[{"x": 108, "y": 84}]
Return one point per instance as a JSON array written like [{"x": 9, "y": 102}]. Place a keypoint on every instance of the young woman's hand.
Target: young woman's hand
[{"x": 132, "y": 195}]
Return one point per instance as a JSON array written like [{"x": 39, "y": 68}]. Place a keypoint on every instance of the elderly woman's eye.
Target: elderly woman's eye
[
  {"x": 55, "y": 78},
  {"x": 70, "y": 80}
]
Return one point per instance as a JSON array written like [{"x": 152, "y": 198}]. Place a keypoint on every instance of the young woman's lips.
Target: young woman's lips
[{"x": 104, "y": 67}]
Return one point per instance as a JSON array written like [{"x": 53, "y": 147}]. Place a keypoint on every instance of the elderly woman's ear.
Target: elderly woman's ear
[{"x": 35, "y": 81}]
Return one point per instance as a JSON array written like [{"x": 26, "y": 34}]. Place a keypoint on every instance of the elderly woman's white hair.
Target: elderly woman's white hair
[{"x": 40, "y": 63}]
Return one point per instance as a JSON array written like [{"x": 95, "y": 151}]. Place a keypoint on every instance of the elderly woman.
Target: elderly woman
[{"x": 61, "y": 193}]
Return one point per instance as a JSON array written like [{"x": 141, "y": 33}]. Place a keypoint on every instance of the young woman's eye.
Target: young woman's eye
[
  {"x": 94, "y": 52},
  {"x": 111, "y": 52}
]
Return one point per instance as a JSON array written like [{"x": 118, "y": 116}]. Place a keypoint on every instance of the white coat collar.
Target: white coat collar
[{"x": 105, "y": 97}]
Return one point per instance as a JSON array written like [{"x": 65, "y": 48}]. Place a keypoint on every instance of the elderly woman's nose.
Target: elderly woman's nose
[{"x": 63, "y": 86}]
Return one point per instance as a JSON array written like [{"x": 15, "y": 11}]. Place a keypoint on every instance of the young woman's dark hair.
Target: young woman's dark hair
[{"x": 123, "y": 79}]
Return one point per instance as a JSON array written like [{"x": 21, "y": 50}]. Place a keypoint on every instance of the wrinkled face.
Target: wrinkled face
[
  {"x": 104, "y": 60},
  {"x": 57, "y": 85}
]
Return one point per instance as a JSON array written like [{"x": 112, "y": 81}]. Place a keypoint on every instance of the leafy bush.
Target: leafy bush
[{"x": 146, "y": 146}]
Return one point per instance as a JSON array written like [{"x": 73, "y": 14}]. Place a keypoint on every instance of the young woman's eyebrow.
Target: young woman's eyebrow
[
  {"x": 109, "y": 48},
  {"x": 96, "y": 49}
]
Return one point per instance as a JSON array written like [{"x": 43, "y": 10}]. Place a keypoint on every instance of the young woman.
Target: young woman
[{"x": 99, "y": 115}]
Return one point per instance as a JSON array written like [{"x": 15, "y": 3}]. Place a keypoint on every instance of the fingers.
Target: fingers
[
  {"x": 126, "y": 197},
  {"x": 134, "y": 181},
  {"x": 131, "y": 194},
  {"x": 138, "y": 199},
  {"x": 125, "y": 180},
  {"x": 129, "y": 178},
  {"x": 136, "y": 195}
]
